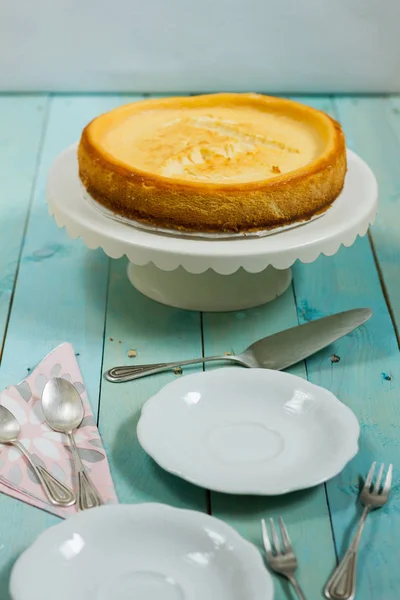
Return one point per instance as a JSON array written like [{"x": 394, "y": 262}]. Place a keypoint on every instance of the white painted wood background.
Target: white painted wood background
[{"x": 208, "y": 45}]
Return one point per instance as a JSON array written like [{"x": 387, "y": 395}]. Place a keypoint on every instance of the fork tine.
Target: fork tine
[
  {"x": 388, "y": 480},
  {"x": 265, "y": 537},
  {"x": 275, "y": 539},
  {"x": 377, "y": 485},
  {"x": 370, "y": 475},
  {"x": 285, "y": 536}
]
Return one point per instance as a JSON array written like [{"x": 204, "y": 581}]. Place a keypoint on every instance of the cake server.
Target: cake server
[{"x": 277, "y": 351}]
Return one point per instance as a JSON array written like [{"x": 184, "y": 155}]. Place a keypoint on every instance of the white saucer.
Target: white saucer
[
  {"x": 141, "y": 552},
  {"x": 248, "y": 431}
]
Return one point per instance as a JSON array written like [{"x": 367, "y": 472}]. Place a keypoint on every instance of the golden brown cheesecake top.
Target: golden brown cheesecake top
[{"x": 217, "y": 144}]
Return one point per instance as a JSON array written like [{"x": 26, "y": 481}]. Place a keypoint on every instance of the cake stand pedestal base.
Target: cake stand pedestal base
[{"x": 209, "y": 291}]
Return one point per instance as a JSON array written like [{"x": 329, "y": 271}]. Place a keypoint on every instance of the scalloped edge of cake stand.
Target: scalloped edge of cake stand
[{"x": 205, "y": 275}]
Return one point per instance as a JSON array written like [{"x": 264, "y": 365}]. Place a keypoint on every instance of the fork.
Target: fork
[
  {"x": 342, "y": 584},
  {"x": 281, "y": 561}
]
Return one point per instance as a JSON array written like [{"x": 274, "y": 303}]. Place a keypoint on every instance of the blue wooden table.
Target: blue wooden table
[{"x": 52, "y": 289}]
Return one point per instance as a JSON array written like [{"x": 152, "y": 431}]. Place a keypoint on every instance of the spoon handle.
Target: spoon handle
[
  {"x": 88, "y": 496},
  {"x": 57, "y": 493},
  {"x": 16, "y": 488},
  {"x": 131, "y": 372}
]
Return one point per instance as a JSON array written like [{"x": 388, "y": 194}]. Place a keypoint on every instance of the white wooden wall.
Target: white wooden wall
[{"x": 186, "y": 45}]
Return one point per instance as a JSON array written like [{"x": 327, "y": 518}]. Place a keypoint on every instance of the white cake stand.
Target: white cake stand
[{"x": 212, "y": 275}]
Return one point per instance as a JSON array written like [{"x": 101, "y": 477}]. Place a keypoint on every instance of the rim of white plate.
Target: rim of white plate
[{"x": 248, "y": 553}]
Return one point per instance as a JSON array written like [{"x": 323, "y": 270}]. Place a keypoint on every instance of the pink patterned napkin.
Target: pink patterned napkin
[{"x": 49, "y": 447}]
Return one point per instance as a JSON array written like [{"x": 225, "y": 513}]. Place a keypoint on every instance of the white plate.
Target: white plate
[
  {"x": 248, "y": 431},
  {"x": 142, "y": 552}
]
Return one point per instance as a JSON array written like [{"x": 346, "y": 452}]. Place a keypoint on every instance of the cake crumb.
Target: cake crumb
[
  {"x": 275, "y": 169},
  {"x": 335, "y": 358},
  {"x": 178, "y": 370},
  {"x": 132, "y": 353},
  {"x": 228, "y": 353},
  {"x": 111, "y": 339}
]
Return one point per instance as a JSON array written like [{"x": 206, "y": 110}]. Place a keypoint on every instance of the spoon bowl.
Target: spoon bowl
[
  {"x": 58, "y": 493},
  {"x": 9, "y": 426},
  {"x": 62, "y": 405}
]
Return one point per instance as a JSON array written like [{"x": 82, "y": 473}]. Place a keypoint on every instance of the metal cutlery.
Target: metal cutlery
[
  {"x": 63, "y": 411},
  {"x": 44, "y": 504},
  {"x": 342, "y": 584},
  {"x": 281, "y": 558},
  {"x": 277, "y": 351},
  {"x": 58, "y": 493},
  {"x": 16, "y": 488}
]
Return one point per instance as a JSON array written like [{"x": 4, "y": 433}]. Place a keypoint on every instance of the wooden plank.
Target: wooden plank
[
  {"x": 392, "y": 105},
  {"x": 384, "y": 232},
  {"x": 366, "y": 376},
  {"x": 61, "y": 287},
  {"x": 60, "y": 296},
  {"x": 305, "y": 513},
  {"x": 372, "y": 126},
  {"x": 22, "y": 123},
  {"x": 157, "y": 333}
]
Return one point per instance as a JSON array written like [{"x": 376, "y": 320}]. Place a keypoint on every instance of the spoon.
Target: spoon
[
  {"x": 56, "y": 492},
  {"x": 63, "y": 411},
  {"x": 277, "y": 351}
]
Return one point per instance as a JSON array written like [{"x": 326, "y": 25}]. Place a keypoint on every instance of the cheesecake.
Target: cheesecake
[{"x": 215, "y": 162}]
